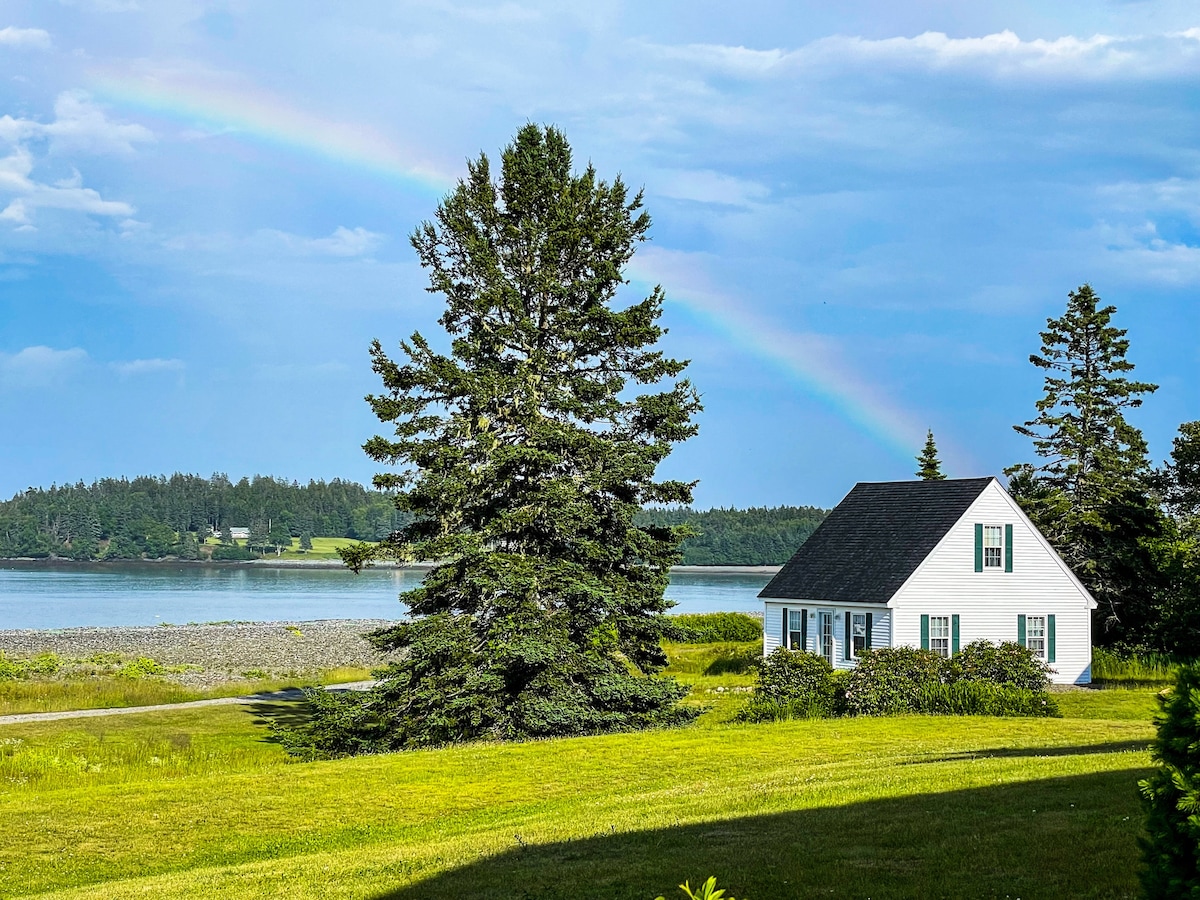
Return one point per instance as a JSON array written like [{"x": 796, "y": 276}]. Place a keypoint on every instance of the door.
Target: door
[{"x": 825, "y": 632}]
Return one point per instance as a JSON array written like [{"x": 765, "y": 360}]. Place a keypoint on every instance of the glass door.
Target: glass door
[{"x": 825, "y": 630}]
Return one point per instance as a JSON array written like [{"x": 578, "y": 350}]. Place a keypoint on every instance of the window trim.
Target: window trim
[
  {"x": 852, "y": 637},
  {"x": 948, "y": 637}
]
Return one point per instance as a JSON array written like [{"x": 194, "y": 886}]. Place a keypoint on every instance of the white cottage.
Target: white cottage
[{"x": 933, "y": 564}]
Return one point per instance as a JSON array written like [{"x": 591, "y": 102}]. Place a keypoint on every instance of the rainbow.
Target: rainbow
[
  {"x": 251, "y": 112},
  {"x": 808, "y": 361}
]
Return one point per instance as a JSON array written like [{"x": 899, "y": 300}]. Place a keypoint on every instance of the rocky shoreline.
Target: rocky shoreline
[{"x": 214, "y": 652}]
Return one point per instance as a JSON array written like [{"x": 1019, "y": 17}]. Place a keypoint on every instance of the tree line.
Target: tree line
[{"x": 152, "y": 517}]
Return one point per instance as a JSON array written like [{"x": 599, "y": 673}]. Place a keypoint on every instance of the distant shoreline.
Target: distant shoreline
[{"x": 27, "y": 562}]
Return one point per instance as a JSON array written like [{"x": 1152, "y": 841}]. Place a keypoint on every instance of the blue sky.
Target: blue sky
[{"x": 864, "y": 213}]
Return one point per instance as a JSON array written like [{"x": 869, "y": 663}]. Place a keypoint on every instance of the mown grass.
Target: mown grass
[
  {"x": 200, "y": 803},
  {"x": 323, "y": 548},
  {"x": 109, "y": 691}
]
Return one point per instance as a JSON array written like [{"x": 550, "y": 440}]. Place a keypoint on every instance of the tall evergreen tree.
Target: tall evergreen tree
[
  {"x": 1092, "y": 453},
  {"x": 1090, "y": 495},
  {"x": 930, "y": 466},
  {"x": 525, "y": 461}
]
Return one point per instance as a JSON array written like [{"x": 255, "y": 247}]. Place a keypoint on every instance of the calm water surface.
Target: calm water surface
[{"x": 148, "y": 594}]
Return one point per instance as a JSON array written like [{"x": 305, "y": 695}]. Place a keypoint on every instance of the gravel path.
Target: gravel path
[{"x": 220, "y": 651}]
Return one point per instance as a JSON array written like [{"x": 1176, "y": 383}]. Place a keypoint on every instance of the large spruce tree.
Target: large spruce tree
[
  {"x": 1090, "y": 493},
  {"x": 524, "y": 454}
]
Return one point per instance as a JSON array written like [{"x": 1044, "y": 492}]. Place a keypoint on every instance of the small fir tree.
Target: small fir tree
[
  {"x": 525, "y": 459},
  {"x": 305, "y": 541},
  {"x": 1171, "y": 796},
  {"x": 930, "y": 466},
  {"x": 227, "y": 535}
]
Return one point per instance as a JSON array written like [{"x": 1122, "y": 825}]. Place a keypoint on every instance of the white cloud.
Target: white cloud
[
  {"x": 344, "y": 242},
  {"x": 1003, "y": 54},
  {"x": 147, "y": 366},
  {"x": 79, "y": 125},
  {"x": 25, "y": 37},
  {"x": 707, "y": 186},
  {"x": 39, "y": 365},
  {"x": 15, "y": 170}
]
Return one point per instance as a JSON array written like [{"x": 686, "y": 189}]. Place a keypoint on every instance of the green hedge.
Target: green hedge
[
  {"x": 715, "y": 628},
  {"x": 985, "y": 679}
]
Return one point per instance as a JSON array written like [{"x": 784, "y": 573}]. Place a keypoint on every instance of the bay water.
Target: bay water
[{"x": 81, "y": 595}]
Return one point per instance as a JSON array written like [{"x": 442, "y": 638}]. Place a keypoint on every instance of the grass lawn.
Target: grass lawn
[
  {"x": 201, "y": 804},
  {"x": 323, "y": 548},
  {"x": 106, "y": 692}
]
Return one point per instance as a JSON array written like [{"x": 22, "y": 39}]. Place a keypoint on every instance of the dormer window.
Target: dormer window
[{"x": 993, "y": 546}]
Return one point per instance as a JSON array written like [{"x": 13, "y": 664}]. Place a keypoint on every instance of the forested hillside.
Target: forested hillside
[
  {"x": 758, "y": 536},
  {"x": 151, "y": 516},
  {"x": 155, "y": 517}
]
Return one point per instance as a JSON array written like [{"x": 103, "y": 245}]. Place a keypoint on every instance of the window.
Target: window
[
  {"x": 939, "y": 635},
  {"x": 858, "y": 634},
  {"x": 826, "y": 633},
  {"x": 1035, "y": 635},
  {"x": 993, "y": 546},
  {"x": 795, "y": 637}
]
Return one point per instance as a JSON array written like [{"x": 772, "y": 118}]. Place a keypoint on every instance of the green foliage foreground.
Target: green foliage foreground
[
  {"x": 1172, "y": 795},
  {"x": 195, "y": 804}
]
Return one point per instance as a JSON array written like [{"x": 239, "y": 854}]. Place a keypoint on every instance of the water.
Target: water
[{"x": 150, "y": 594}]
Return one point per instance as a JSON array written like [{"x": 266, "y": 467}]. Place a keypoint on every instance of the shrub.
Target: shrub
[
  {"x": 791, "y": 686},
  {"x": 983, "y": 698},
  {"x": 734, "y": 661},
  {"x": 20, "y": 669},
  {"x": 1171, "y": 796},
  {"x": 234, "y": 553},
  {"x": 142, "y": 667},
  {"x": 889, "y": 680},
  {"x": 715, "y": 628},
  {"x": 1008, "y": 663}
]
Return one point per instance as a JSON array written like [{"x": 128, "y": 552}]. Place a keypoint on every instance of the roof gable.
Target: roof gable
[{"x": 873, "y": 540}]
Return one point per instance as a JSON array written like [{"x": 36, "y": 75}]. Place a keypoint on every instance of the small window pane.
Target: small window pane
[
  {"x": 795, "y": 624},
  {"x": 1035, "y": 635},
  {"x": 858, "y": 633},
  {"x": 939, "y": 635},
  {"x": 993, "y": 546}
]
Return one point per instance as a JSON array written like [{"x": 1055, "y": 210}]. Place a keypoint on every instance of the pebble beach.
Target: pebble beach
[{"x": 217, "y": 650}]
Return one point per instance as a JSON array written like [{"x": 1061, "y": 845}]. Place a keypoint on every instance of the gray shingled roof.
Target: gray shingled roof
[{"x": 873, "y": 540}]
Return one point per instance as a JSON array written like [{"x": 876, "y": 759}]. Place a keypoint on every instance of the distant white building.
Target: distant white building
[
  {"x": 932, "y": 564},
  {"x": 240, "y": 534}
]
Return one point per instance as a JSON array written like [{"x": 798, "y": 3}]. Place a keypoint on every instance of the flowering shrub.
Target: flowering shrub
[
  {"x": 888, "y": 680},
  {"x": 1008, "y": 663}
]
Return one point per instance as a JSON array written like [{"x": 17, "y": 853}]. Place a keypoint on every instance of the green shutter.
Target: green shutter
[
  {"x": 804, "y": 629},
  {"x": 1049, "y": 638},
  {"x": 869, "y": 631},
  {"x": 924, "y": 632},
  {"x": 1021, "y": 630},
  {"x": 953, "y": 635},
  {"x": 978, "y": 546},
  {"x": 1007, "y": 548},
  {"x": 848, "y": 641},
  {"x": 786, "y": 638}
]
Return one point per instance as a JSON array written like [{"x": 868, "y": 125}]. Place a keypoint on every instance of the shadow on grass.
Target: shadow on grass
[
  {"x": 288, "y": 711},
  {"x": 1009, "y": 752},
  {"x": 1065, "y": 837}
]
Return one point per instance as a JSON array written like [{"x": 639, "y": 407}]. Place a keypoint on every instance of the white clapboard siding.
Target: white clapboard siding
[
  {"x": 773, "y": 637},
  {"x": 989, "y": 602}
]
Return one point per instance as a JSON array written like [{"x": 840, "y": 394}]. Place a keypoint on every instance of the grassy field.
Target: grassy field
[
  {"x": 323, "y": 548},
  {"x": 201, "y": 803},
  {"x": 106, "y": 692}
]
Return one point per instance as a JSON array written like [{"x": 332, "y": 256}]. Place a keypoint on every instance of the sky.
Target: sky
[{"x": 863, "y": 215}]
